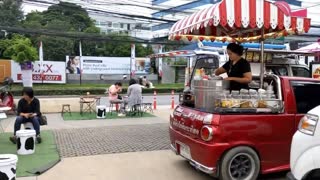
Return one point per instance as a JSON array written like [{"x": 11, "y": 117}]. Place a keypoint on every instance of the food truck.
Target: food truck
[{"x": 237, "y": 135}]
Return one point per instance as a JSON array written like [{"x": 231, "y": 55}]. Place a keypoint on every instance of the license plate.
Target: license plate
[{"x": 184, "y": 151}]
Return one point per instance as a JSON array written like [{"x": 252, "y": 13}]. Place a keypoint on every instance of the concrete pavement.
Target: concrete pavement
[
  {"x": 54, "y": 104},
  {"x": 155, "y": 165}
]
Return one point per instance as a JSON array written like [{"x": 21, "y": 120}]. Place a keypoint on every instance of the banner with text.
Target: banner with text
[
  {"x": 105, "y": 65},
  {"x": 53, "y": 72}
]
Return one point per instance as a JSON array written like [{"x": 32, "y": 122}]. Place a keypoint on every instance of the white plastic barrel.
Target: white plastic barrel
[
  {"x": 26, "y": 141},
  {"x": 8, "y": 164},
  {"x": 28, "y": 125},
  {"x": 101, "y": 112}
]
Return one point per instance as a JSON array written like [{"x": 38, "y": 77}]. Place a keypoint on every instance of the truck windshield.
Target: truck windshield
[{"x": 205, "y": 66}]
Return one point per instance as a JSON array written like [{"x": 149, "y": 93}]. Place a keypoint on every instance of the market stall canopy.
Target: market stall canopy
[{"x": 240, "y": 21}]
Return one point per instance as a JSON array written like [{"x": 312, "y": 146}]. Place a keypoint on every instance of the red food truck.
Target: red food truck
[{"x": 239, "y": 134}]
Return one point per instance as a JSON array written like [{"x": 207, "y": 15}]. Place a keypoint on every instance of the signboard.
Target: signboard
[
  {"x": 73, "y": 65},
  {"x": 315, "y": 70},
  {"x": 143, "y": 66},
  {"x": 53, "y": 72},
  {"x": 105, "y": 65}
]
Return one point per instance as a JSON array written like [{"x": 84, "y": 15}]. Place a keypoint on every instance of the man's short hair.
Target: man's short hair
[
  {"x": 118, "y": 83},
  {"x": 28, "y": 91}
]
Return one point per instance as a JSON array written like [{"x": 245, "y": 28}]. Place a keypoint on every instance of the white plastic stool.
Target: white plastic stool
[
  {"x": 8, "y": 164},
  {"x": 26, "y": 142},
  {"x": 101, "y": 112},
  {"x": 28, "y": 126}
]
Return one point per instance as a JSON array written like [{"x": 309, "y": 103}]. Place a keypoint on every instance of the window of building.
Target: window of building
[
  {"x": 109, "y": 24},
  {"x": 300, "y": 72},
  {"x": 306, "y": 95},
  {"x": 103, "y": 24},
  {"x": 121, "y": 25},
  {"x": 128, "y": 27},
  {"x": 116, "y": 25}
]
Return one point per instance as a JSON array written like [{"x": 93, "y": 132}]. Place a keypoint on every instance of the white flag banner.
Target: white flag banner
[
  {"x": 160, "y": 61},
  {"x": 133, "y": 59},
  {"x": 41, "y": 60}
]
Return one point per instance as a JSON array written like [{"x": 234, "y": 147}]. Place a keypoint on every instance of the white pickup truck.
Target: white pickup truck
[{"x": 305, "y": 148}]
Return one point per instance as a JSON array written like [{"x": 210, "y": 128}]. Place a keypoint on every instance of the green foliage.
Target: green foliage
[
  {"x": 68, "y": 17},
  {"x": 63, "y": 17},
  {"x": 20, "y": 49},
  {"x": 10, "y": 12}
]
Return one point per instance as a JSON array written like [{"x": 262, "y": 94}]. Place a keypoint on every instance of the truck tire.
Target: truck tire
[{"x": 240, "y": 163}]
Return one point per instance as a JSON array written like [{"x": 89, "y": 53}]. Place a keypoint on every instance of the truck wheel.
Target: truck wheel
[{"x": 240, "y": 163}]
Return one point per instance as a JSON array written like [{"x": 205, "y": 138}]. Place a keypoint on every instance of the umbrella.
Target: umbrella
[{"x": 240, "y": 21}]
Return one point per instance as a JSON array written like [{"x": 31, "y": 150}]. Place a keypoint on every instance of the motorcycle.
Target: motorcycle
[{"x": 6, "y": 97}]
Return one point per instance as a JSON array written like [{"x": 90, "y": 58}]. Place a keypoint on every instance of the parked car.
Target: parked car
[
  {"x": 240, "y": 143},
  {"x": 305, "y": 148}
]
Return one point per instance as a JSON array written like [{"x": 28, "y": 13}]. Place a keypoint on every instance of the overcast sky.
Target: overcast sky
[{"x": 111, "y": 5}]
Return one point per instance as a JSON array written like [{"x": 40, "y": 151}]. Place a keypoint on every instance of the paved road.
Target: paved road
[
  {"x": 116, "y": 139},
  {"x": 139, "y": 141},
  {"x": 161, "y": 99}
]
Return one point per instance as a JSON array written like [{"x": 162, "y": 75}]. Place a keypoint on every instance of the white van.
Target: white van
[{"x": 305, "y": 148}]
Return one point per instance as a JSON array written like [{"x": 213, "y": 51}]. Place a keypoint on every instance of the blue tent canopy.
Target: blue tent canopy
[{"x": 245, "y": 45}]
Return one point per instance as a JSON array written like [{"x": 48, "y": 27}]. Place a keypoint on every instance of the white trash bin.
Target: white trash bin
[
  {"x": 28, "y": 125},
  {"x": 26, "y": 142},
  {"x": 101, "y": 112},
  {"x": 8, "y": 164}
]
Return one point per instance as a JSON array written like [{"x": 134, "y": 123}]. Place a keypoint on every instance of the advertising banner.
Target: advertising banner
[
  {"x": 105, "y": 65},
  {"x": 73, "y": 64},
  {"x": 53, "y": 72}
]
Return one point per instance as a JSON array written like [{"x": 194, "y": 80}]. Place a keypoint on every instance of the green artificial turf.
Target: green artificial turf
[
  {"x": 92, "y": 116},
  {"x": 46, "y": 154}
]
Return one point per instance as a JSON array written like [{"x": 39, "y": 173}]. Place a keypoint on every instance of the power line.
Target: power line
[
  {"x": 117, "y": 13},
  {"x": 82, "y": 36}
]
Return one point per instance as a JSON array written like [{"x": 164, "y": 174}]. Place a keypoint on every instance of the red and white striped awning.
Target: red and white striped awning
[{"x": 240, "y": 20}]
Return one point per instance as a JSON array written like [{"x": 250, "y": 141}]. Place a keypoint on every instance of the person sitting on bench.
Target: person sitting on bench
[{"x": 28, "y": 111}]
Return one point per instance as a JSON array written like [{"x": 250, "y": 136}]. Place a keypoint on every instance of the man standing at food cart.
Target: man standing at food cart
[{"x": 237, "y": 68}]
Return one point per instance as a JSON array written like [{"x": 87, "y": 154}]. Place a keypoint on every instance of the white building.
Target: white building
[{"x": 111, "y": 16}]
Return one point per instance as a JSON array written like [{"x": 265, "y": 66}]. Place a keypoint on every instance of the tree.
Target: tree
[
  {"x": 10, "y": 12},
  {"x": 21, "y": 50},
  {"x": 66, "y": 17}
]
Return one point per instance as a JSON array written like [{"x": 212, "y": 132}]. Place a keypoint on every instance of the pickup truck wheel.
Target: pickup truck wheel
[{"x": 240, "y": 163}]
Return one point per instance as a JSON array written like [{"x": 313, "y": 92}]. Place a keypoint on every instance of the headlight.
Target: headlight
[{"x": 308, "y": 124}]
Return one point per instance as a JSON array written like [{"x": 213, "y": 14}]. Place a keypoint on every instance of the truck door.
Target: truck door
[{"x": 307, "y": 96}]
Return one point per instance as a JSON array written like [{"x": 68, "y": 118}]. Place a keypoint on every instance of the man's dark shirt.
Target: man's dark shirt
[
  {"x": 237, "y": 70},
  {"x": 33, "y": 107}
]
